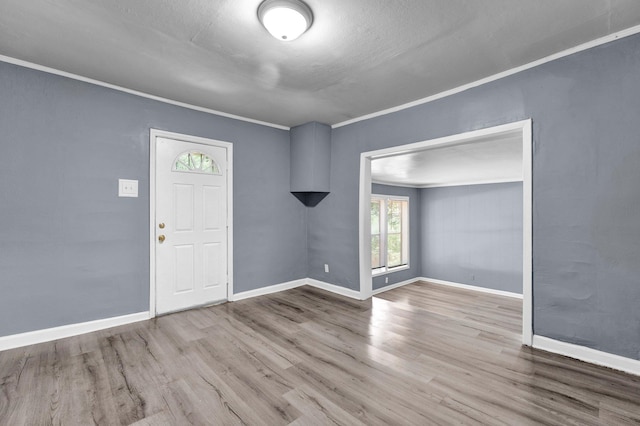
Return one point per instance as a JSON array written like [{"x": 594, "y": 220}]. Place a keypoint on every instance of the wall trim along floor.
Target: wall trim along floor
[
  {"x": 49, "y": 334},
  {"x": 450, "y": 284},
  {"x": 472, "y": 287},
  {"x": 582, "y": 353},
  {"x": 55, "y": 333},
  {"x": 343, "y": 291},
  {"x": 396, "y": 285},
  {"x": 267, "y": 290}
]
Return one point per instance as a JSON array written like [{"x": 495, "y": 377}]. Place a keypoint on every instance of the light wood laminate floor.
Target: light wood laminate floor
[{"x": 421, "y": 354}]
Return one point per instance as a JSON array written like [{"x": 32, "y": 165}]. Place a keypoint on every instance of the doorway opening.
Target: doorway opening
[
  {"x": 191, "y": 222},
  {"x": 522, "y": 131}
]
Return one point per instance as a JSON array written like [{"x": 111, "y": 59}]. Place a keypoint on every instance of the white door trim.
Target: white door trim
[
  {"x": 364, "y": 228},
  {"x": 153, "y": 135}
]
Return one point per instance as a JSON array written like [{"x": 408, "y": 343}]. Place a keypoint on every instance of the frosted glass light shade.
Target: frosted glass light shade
[{"x": 285, "y": 19}]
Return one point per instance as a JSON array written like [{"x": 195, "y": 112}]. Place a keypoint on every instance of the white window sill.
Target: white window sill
[{"x": 384, "y": 271}]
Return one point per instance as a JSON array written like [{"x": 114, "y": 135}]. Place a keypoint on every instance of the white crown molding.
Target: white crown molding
[
  {"x": 61, "y": 73},
  {"x": 470, "y": 183},
  {"x": 442, "y": 185},
  {"x": 582, "y": 353},
  {"x": 472, "y": 287},
  {"x": 585, "y": 46},
  {"x": 401, "y": 185},
  {"x": 55, "y": 333}
]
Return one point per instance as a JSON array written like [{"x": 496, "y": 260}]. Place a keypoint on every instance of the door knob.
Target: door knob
[
  {"x": 161, "y": 238},
  {"x": 161, "y": 226}
]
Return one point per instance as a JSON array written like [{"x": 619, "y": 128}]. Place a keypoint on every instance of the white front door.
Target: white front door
[{"x": 191, "y": 234}]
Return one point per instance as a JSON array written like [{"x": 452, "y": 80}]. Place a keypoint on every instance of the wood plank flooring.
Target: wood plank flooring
[{"x": 422, "y": 354}]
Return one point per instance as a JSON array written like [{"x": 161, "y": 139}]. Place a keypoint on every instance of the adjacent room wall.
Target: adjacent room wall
[
  {"x": 72, "y": 251},
  {"x": 414, "y": 235},
  {"x": 586, "y": 197},
  {"x": 472, "y": 235}
]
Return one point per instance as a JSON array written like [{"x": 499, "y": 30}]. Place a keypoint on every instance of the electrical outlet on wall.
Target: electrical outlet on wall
[
  {"x": 326, "y": 268},
  {"x": 386, "y": 280}
]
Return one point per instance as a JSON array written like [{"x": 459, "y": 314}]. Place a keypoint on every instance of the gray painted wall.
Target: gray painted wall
[
  {"x": 70, "y": 249},
  {"x": 414, "y": 237},
  {"x": 586, "y": 197},
  {"x": 63, "y": 230},
  {"x": 473, "y": 235}
]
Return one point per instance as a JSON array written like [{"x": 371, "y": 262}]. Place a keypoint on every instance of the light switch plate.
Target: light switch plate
[{"x": 127, "y": 188}]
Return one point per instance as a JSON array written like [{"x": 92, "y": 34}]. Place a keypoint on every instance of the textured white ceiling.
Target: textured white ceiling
[
  {"x": 489, "y": 159},
  {"x": 359, "y": 57}
]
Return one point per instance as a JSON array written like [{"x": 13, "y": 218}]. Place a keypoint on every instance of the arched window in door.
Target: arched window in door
[{"x": 196, "y": 162}]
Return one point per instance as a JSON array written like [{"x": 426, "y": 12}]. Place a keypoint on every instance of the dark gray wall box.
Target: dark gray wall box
[
  {"x": 71, "y": 251},
  {"x": 310, "y": 162}
]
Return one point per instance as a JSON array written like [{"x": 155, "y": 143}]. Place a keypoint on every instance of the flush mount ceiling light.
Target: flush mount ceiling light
[{"x": 285, "y": 19}]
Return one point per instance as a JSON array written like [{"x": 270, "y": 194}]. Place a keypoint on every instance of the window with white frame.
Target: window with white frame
[
  {"x": 196, "y": 162},
  {"x": 389, "y": 233}
]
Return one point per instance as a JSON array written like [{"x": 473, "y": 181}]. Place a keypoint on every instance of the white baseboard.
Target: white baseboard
[
  {"x": 293, "y": 284},
  {"x": 472, "y": 287},
  {"x": 582, "y": 353},
  {"x": 396, "y": 285},
  {"x": 334, "y": 288},
  {"x": 593, "y": 356},
  {"x": 55, "y": 333},
  {"x": 268, "y": 290},
  {"x": 49, "y": 334}
]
